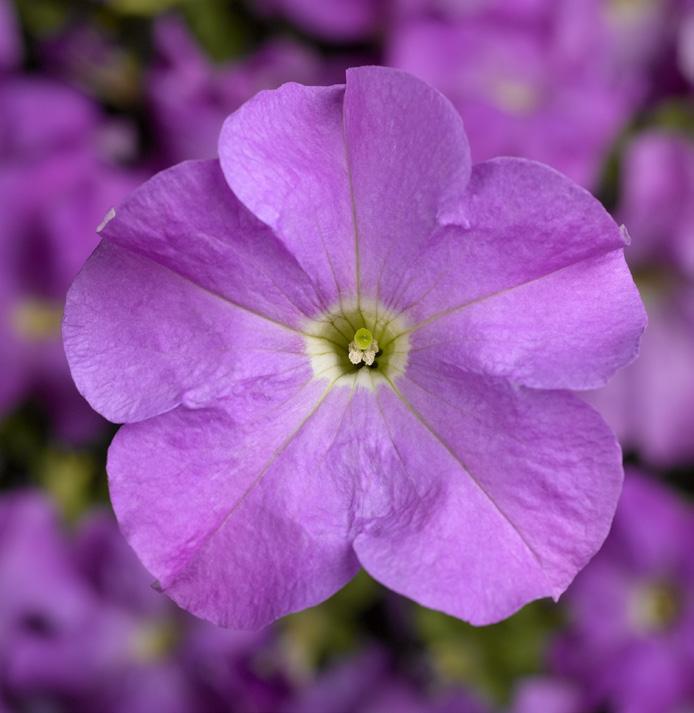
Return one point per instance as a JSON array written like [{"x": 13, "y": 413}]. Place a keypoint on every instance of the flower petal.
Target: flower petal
[
  {"x": 283, "y": 155},
  {"x": 409, "y": 164},
  {"x": 536, "y": 290},
  {"x": 187, "y": 219},
  {"x": 141, "y": 339},
  {"x": 237, "y": 512},
  {"x": 528, "y": 483}
]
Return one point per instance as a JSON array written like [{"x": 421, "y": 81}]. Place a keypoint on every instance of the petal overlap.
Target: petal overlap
[
  {"x": 534, "y": 289},
  {"x": 409, "y": 164},
  {"x": 283, "y": 155}
]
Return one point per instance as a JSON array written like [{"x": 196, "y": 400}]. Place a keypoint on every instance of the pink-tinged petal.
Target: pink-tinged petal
[
  {"x": 238, "y": 513},
  {"x": 283, "y": 155},
  {"x": 186, "y": 219},
  {"x": 409, "y": 163},
  {"x": 535, "y": 289},
  {"x": 528, "y": 484},
  {"x": 141, "y": 339}
]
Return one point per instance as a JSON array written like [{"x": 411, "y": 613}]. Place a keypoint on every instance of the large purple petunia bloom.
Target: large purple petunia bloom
[
  {"x": 631, "y": 639},
  {"x": 342, "y": 345}
]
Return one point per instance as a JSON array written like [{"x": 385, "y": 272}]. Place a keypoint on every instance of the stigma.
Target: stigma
[{"x": 363, "y": 347}]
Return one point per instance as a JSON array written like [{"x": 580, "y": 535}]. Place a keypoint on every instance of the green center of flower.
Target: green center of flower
[
  {"x": 515, "y": 96},
  {"x": 37, "y": 320},
  {"x": 359, "y": 345},
  {"x": 154, "y": 640},
  {"x": 656, "y": 607},
  {"x": 630, "y": 10}
]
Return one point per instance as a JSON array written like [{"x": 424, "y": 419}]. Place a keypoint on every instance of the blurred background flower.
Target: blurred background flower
[{"x": 95, "y": 96}]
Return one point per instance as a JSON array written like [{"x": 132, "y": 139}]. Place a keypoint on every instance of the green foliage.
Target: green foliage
[{"x": 489, "y": 658}]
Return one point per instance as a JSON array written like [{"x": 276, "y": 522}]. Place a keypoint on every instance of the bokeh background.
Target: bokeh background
[{"x": 97, "y": 95}]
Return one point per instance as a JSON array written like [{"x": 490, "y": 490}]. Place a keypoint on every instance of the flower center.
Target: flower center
[
  {"x": 36, "y": 320},
  {"x": 363, "y": 348},
  {"x": 358, "y": 345},
  {"x": 655, "y": 607}
]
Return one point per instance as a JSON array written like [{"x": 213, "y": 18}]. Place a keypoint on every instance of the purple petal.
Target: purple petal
[
  {"x": 535, "y": 290},
  {"x": 265, "y": 531},
  {"x": 523, "y": 486},
  {"x": 409, "y": 164},
  {"x": 186, "y": 219},
  {"x": 152, "y": 320},
  {"x": 141, "y": 339},
  {"x": 353, "y": 196},
  {"x": 283, "y": 155}
]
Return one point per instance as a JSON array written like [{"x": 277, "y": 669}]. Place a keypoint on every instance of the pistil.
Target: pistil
[{"x": 363, "y": 347}]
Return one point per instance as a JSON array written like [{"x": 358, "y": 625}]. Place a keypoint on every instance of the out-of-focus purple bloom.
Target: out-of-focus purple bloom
[
  {"x": 520, "y": 93},
  {"x": 626, "y": 38},
  {"x": 685, "y": 43},
  {"x": 619, "y": 40},
  {"x": 10, "y": 48},
  {"x": 368, "y": 683},
  {"x": 339, "y": 20},
  {"x": 548, "y": 695},
  {"x": 631, "y": 637},
  {"x": 333, "y": 349},
  {"x": 190, "y": 97},
  {"x": 657, "y": 202},
  {"x": 83, "y": 630},
  {"x": 56, "y": 184},
  {"x": 89, "y": 58},
  {"x": 651, "y": 404}
]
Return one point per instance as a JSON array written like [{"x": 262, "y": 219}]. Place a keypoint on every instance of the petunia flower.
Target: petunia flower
[
  {"x": 629, "y": 643},
  {"x": 519, "y": 87},
  {"x": 259, "y": 468}
]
